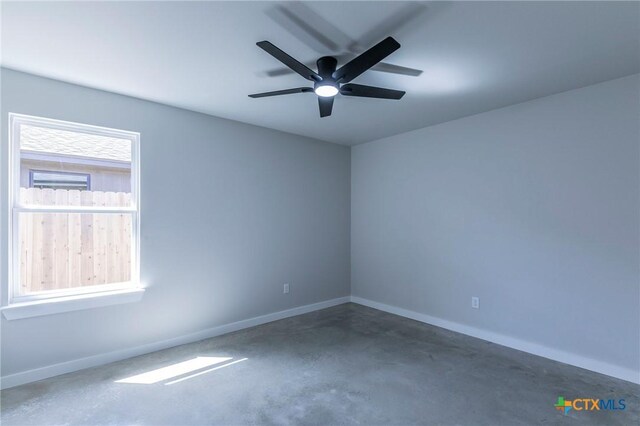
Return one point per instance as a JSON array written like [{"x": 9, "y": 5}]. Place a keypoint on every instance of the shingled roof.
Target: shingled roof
[{"x": 40, "y": 139}]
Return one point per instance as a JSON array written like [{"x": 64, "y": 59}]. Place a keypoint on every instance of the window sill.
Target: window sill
[{"x": 71, "y": 303}]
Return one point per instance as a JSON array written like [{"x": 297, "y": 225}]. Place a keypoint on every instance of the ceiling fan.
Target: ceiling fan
[{"x": 329, "y": 81}]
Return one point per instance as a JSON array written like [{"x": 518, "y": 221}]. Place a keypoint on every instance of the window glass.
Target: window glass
[
  {"x": 69, "y": 250},
  {"x": 74, "y": 216},
  {"x": 59, "y": 180},
  {"x": 65, "y": 160}
]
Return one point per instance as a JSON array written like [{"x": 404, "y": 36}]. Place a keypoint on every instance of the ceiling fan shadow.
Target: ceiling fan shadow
[{"x": 325, "y": 38}]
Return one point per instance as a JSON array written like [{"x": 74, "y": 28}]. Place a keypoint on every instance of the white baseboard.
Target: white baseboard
[
  {"x": 96, "y": 360},
  {"x": 500, "y": 339},
  {"x": 510, "y": 342}
]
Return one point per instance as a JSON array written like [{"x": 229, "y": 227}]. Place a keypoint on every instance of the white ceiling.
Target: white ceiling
[{"x": 202, "y": 56}]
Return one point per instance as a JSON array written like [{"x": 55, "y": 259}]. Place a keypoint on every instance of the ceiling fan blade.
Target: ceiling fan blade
[
  {"x": 309, "y": 27},
  {"x": 282, "y": 92},
  {"x": 366, "y": 60},
  {"x": 301, "y": 29},
  {"x": 395, "y": 69},
  {"x": 277, "y": 72},
  {"x": 326, "y": 105},
  {"x": 292, "y": 63},
  {"x": 405, "y": 14},
  {"x": 380, "y": 67},
  {"x": 370, "y": 92}
]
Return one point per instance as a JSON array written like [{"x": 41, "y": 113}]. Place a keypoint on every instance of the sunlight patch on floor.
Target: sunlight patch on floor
[
  {"x": 205, "y": 372},
  {"x": 174, "y": 370}
]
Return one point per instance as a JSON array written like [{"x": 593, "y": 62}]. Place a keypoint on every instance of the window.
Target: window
[
  {"x": 75, "y": 211},
  {"x": 59, "y": 180}
]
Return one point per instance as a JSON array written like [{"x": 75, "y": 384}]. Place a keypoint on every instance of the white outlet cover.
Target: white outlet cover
[
  {"x": 285, "y": 288},
  {"x": 475, "y": 302}
]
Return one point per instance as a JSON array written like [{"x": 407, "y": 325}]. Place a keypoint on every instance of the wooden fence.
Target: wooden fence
[{"x": 62, "y": 250}]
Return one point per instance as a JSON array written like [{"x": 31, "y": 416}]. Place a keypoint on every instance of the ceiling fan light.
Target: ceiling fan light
[{"x": 326, "y": 90}]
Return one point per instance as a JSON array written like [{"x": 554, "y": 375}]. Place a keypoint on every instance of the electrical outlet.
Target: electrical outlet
[
  {"x": 475, "y": 302},
  {"x": 285, "y": 289}
]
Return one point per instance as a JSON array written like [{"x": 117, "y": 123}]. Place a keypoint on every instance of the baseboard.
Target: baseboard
[
  {"x": 510, "y": 342},
  {"x": 96, "y": 360},
  {"x": 500, "y": 339}
]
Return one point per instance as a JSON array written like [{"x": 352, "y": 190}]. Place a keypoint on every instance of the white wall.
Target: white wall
[
  {"x": 230, "y": 212},
  {"x": 534, "y": 208}
]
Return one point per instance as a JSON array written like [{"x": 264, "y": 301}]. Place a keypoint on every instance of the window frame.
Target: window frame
[
  {"x": 15, "y": 208},
  {"x": 33, "y": 171}
]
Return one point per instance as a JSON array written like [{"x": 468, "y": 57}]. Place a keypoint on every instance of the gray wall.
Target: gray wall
[
  {"x": 534, "y": 208},
  {"x": 230, "y": 212}
]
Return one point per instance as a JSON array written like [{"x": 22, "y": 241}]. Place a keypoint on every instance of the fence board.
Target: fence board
[
  {"x": 61, "y": 242},
  {"x": 99, "y": 242},
  {"x": 48, "y": 241},
  {"x": 112, "y": 264},
  {"x": 75, "y": 241},
  {"x": 36, "y": 261},
  {"x": 86, "y": 231},
  {"x": 62, "y": 250}
]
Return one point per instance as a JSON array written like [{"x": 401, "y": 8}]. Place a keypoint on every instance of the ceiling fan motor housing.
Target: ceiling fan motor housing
[{"x": 326, "y": 67}]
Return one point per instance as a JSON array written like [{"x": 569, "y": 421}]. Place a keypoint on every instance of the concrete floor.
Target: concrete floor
[{"x": 344, "y": 365}]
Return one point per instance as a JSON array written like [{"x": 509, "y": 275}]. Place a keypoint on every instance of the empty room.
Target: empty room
[{"x": 319, "y": 213}]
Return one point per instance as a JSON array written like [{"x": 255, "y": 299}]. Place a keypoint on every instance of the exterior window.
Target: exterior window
[
  {"x": 75, "y": 218},
  {"x": 59, "y": 180}
]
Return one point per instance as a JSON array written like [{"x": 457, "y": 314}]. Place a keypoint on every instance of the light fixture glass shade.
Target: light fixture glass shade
[{"x": 326, "y": 90}]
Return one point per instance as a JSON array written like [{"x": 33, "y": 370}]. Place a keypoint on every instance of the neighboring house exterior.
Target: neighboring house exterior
[{"x": 61, "y": 160}]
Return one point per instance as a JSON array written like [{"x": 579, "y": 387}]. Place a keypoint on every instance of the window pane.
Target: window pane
[
  {"x": 65, "y": 161},
  {"x": 69, "y": 250}
]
